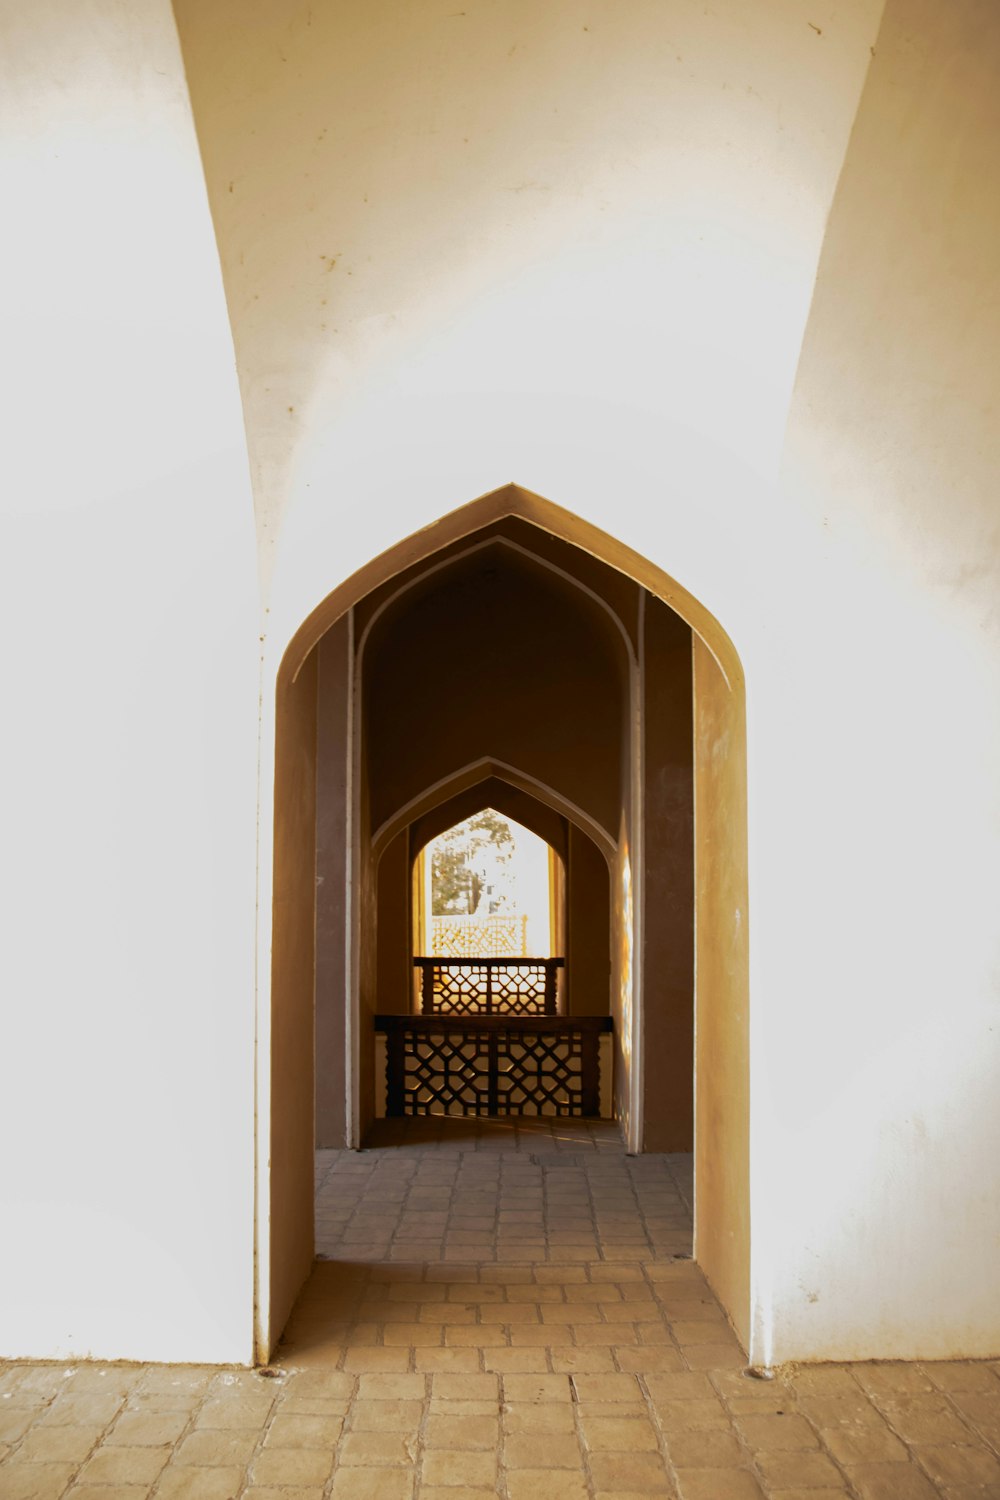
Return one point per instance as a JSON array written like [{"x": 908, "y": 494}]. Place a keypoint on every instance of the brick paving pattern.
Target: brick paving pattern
[{"x": 501, "y": 1314}]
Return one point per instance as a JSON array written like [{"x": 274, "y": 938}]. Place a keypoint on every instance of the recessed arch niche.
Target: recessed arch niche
[
  {"x": 325, "y": 939},
  {"x": 583, "y": 880}
]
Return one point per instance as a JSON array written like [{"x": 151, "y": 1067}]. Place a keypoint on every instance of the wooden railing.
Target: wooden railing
[
  {"x": 488, "y": 1065},
  {"x": 488, "y": 986}
]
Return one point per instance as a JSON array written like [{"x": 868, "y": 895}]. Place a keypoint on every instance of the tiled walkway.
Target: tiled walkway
[{"x": 501, "y": 1315}]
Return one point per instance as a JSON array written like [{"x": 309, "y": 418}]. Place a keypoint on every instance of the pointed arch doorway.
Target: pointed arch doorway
[{"x": 355, "y": 763}]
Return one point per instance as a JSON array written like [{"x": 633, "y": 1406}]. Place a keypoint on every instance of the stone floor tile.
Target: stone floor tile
[
  {"x": 124, "y": 1466},
  {"x": 929, "y": 1420},
  {"x": 891, "y": 1482},
  {"x": 462, "y": 1432},
  {"x": 714, "y": 1357},
  {"x": 528, "y": 1335},
  {"x": 457, "y": 1492},
  {"x": 34, "y": 1385},
  {"x": 537, "y": 1388},
  {"x": 863, "y": 1444},
  {"x": 719, "y": 1484},
  {"x": 290, "y": 1431},
  {"x": 14, "y": 1422},
  {"x": 200, "y": 1484},
  {"x": 413, "y": 1335},
  {"x": 42, "y": 1481},
  {"x": 706, "y": 1448},
  {"x": 617, "y": 1387},
  {"x": 591, "y": 1360},
  {"x": 552, "y": 1484},
  {"x": 292, "y": 1466},
  {"x": 982, "y": 1412},
  {"x": 441, "y": 1407},
  {"x": 82, "y": 1491},
  {"x": 215, "y": 1448},
  {"x": 840, "y": 1411},
  {"x": 620, "y": 1410},
  {"x": 446, "y": 1359},
  {"x": 447, "y": 1466},
  {"x": 82, "y": 1409},
  {"x": 377, "y": 1449},
  {"x": 385, "y": 1416},
  {"x": 963, "y": 1375},
  {"x": 515, "y": 1361},
  {"x": 604, "y": 1335},
  {"x": 739, "y": 1385},
  {"x": 776, "y": 1431},
  {"x": 97, "y": 1379},
  {"x": 892, "y": 1378},
  {"x": 619, "y": 1434},
  {"x": 683, "y": 1386},
  {"x": 539, "y": 1416},
  {"x": 644, "y": 1472},
  {"x": 321, "y": 1384},
  {"x": 647, "y": 1361},
  {"x": 138, "y": 1429},
  {"x": 799, "y": 1469},
  {"x": 689, "y": 1415},
  {"x": 274, "y": 1492},
  {"x": 534, "y": 1450},
  {"x": 826, "y": 1493},
  {"x": 954, "y": 1465},
  {"x": 372, "y": 1359},
  {"x": 372, "y": 1484},
  {"x": 55, "y": 1445}
]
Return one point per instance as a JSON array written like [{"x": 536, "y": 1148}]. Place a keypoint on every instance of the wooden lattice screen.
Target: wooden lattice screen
[
  {"x": 488, "y": 986},
  {"x": 488, "y": 1066}
]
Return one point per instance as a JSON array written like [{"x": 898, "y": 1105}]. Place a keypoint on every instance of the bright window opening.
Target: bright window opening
[{"x": 487, "y": 888}]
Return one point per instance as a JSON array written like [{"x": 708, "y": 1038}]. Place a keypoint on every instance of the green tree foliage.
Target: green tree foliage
[{"x": 457, "y": 865}]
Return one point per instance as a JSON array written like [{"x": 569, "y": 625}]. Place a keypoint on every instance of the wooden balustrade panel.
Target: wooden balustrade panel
[
  {"x": 489, "y": 1066},
  {"x": 488, "y": 986}
]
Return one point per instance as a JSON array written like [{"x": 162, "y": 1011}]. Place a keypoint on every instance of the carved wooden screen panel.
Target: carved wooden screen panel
[
  {"x": 487, "y": 1067},
  {"x": 488, "y": 986},
  {"x": 446, "y": 1074},
  {"x": 539, "y": 1074}
]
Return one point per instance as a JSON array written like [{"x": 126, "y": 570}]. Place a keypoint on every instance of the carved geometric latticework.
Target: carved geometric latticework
[
  {"x": 486, "y": 1066},
  {"x": 539, "y": 1074},
  {"x": 446, "y": 1074},
  {"x": 488, "y": 986},
  {"x": 475, "y": 937}
]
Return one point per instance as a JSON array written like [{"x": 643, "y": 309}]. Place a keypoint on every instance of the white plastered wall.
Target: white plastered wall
[
  {"x": 877, "y": 1048},
  {"x": 522, "y": 243},
  {"x": 130, "y": 620},
  {"x": 578, "y": 253}
]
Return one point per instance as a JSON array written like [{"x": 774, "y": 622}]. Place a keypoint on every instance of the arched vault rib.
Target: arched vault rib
[
  {"x": 537, "y": 816},
  {"x": 510, "y": 500},
  {"x": 483, "y": 770}
]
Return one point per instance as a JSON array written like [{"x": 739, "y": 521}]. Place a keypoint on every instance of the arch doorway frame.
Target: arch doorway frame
[{"x": 284, "y": 1144}]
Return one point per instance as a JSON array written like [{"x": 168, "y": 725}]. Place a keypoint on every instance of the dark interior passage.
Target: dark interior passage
[{"x": 515, "y": 671}]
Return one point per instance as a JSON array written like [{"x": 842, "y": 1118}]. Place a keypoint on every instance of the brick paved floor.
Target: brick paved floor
[{"x": 502, "y": 1314}]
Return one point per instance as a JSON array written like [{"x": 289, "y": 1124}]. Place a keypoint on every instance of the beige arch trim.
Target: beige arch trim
[
  {"x": 485, "y": 770},
  {"x": 512, "y": 500}
]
